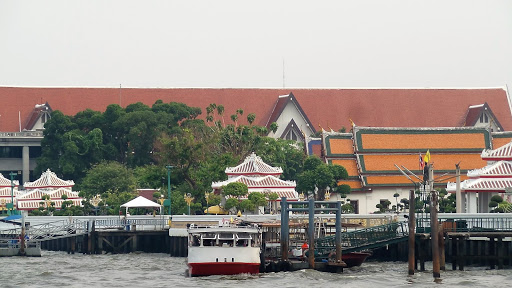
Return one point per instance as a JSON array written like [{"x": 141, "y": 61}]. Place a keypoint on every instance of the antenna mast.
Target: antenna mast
[{"x": 283, "y": 72}]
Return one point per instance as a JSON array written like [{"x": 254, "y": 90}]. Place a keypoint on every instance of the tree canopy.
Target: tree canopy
[{"x": 116, "y": 151}]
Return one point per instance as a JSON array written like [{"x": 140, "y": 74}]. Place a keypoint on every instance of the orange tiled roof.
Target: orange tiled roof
[
  {"x": 354, "y": 184},
  {"x": 349, "y": 164},
  {"x": 340, "y": 146},
  {"x": 394, "y": 180},
  {"x": 325, "y": 107},
  {"x": 443, "y": 162},
  {"x": 422, "y": 142},
  {"x": 500, "y": 141}
]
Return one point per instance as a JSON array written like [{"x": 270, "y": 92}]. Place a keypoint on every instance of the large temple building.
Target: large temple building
[
  {"x": 374, "y": 157},
  {"x": 367, "y": 131}
]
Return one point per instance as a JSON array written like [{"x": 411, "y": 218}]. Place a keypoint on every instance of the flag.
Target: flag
[
  {"x": 422, "y": 164},
  {"x": 427, "y": 157}
]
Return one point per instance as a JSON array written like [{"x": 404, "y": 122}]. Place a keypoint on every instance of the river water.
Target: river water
[{"x": 56, "y": 269}]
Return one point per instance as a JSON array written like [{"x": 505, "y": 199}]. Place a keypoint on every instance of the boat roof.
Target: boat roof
[{"x": 220, "y": 229}]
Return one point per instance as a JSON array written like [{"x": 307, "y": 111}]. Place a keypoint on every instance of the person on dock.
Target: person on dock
[{"x": 305, "y": 247}]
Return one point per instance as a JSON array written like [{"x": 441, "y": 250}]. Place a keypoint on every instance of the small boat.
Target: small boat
[
  {"x": 223, "y": 250},
  {"x": 355, "y": 258}
]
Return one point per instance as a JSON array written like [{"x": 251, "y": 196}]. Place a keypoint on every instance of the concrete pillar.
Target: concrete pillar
[
  {"x": 483, "y": 202},
  {"x": 471, "y": 202},
  {"x": 25, "y": 164},
  {"x": 134, "y": 243}
]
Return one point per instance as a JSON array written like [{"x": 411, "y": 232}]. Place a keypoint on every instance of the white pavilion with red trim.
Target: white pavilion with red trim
[
  {"x": 51, "y": 185},
  {"x": 483, "y": 183},
  {"x": 259, "y": 177},
  {"x": 6, "y": 190}
]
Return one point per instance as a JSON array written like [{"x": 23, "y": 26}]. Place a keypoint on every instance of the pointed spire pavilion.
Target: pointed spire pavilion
[
  {"x": 253, "y": 166},
  {"x": 51, "y": 185},
  {"x": 259, "y": 177},
  {"x": 49, "y": 180}
]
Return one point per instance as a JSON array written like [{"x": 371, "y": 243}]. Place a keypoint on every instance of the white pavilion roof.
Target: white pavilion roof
[
  {"x": 268, "y": 181},
  {"x": 253, "y": 165},
  {"x": 482, "y": 185},
  {"x": 35, "y": 194},
  {"x": 6, "y": 192},
  {"x": 57, "y": 194},
  {"x": 48, "y": 180},
  {"x": 34, "y": 204},
  {"x": 502, "y": 153},
  {"x": 499, "y": 169},
  {"x": 266, "y": 185},
  {"x": 4, "y": 182}
]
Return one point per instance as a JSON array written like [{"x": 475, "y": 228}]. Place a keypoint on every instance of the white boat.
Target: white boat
[{"x": 223, "y": 250}]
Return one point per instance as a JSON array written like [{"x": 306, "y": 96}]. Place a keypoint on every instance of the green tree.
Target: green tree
[
  {"x": 247, "y": 205},
  {"x": 289, "y": 155},
  {"x": 232, "y": 203},
  {"x": 318, "y": 175},
  {"x": 235, "y": 189},
  {"x": 396, "y": 195},
  {"x": 258, "y": 199},
  {"x": 113, "y": 181},
  {"x": 383, "y": 206},
  {"x": 495, "y": 202}
]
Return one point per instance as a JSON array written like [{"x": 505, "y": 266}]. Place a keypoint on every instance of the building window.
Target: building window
[
  {"x": 482, "y": 118},
  {"x": 486, "y": 118},
  {"x": 11, "y": 152},
  {"x": 355, "y": 205},
  {"x": 291, "y": 135}
]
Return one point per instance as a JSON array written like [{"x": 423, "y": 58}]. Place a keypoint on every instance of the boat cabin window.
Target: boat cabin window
[
  {"x": 209, "y": 239},
  {"x": 243, "y": 239},
  {"x": 226, "y": 239},
  {"x": 195, "y": 240}
]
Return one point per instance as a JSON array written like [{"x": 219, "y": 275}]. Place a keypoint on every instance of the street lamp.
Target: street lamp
[
  {"x": 161, "y": 201},
  {"x": 12, "y": 174},
  {"x": 169, "y": 167},
  {"x": 95, "y": 201},
  {"x": 188, "y": 198}
]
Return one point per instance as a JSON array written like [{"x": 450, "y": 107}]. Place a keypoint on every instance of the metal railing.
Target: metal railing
[
  {"x": 75, "y": 227},
  {"x": 16, "y": 244},
  {"x": 130, "y": 224},
  {"x": 468, "y": 223}
]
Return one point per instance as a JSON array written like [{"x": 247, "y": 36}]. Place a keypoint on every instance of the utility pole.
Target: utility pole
[
  {"x": 169, "y": 167},
  {"x": 458, "y": 194}
]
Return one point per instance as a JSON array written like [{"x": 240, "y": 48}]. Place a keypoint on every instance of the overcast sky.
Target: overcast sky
[{"x": 239, "y": 44}]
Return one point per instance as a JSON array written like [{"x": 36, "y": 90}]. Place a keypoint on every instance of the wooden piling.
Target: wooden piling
[
  {"x": 311, "y": 234},
  {"x": 412, "y": 233},
  {"x": 441, "y": 244}
]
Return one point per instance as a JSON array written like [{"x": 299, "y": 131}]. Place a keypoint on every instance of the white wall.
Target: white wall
[{"x": 291, "y": 112}]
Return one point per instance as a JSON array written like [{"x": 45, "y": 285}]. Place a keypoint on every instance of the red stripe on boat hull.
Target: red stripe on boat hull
[{"x": 222, "y": 268}]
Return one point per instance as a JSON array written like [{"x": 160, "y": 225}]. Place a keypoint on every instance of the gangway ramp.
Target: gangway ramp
[
  {"x": 364, "y": 239},
  {"x": 48, "y": 231}
]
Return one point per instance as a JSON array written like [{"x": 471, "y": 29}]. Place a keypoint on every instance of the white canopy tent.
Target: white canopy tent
[{"x": 141, "y": 202}]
